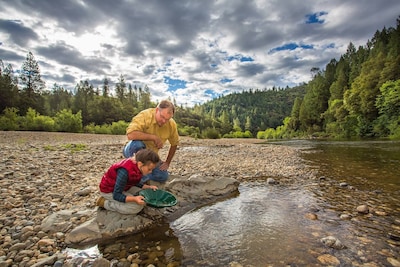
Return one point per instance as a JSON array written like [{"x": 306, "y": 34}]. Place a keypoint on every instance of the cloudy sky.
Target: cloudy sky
[{"x": 192, "y": 50}]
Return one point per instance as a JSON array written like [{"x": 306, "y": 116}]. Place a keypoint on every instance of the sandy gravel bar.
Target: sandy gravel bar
[{"x": 41, "y": 173}]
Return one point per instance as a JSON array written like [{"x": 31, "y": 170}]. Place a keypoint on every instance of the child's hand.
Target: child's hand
[
  {"x": 139, "y": 200},
  {"x": 154, "y": 187}
]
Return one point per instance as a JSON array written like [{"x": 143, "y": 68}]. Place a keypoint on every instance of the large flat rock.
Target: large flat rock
[{"x": 104, "y": 225}]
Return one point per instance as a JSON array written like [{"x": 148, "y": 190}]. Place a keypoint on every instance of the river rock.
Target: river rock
[
  {"x": 46, "y": 261},
  {"x": 101, "y": 262},
  {"x": 332, "y": 242},
  {"x": 363, "y": 209},
  {"x": 328, "y": 260},
  {"x": 345, "y": 216},
  {"x": 311, "y": 216},
  {"x": 394, "y": 262}
]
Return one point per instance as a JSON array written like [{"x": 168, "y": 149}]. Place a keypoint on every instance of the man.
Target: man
[{"x": 151, "y": 128}]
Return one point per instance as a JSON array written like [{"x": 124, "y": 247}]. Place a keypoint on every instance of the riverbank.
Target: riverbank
[{"x": 42, "y": 173}]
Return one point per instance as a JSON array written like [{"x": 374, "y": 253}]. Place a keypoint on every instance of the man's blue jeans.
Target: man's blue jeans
[
  {"x": 132, "y": 147},
  {"x": 157, "y": 175}
]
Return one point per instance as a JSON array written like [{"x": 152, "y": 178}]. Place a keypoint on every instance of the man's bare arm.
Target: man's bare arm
[
  {"x": 171, "y": 154},
  {"x": 165, "y": 165}
]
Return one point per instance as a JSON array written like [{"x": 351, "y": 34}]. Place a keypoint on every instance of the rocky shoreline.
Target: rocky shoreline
[{"x": 45, "y": 173}]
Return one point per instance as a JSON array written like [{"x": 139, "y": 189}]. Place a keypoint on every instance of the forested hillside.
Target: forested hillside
[
  {"x": 355, "y": 96},
  {"x": 251, "y": 110}
]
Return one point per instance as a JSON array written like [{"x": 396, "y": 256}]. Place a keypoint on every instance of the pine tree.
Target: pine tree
[
  {"x": 32, "y": 85},
  {"x": 106, "y": 88},
  {"x": 120, "y": 88},
  {"x": 8, "y": 87}
]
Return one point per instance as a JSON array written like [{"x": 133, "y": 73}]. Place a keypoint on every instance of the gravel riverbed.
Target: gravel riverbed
[{"x": 42, "y": 173}]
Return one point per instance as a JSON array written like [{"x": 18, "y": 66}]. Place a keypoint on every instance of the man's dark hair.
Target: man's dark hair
[{"x": 146, "y": 155}]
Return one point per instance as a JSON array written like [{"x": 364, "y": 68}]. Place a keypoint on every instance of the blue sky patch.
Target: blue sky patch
[
  {"x": 210, "y": 93},
  {"x": 291, "y": 46},
  {"x": 315, "y": 18},
  {"x": 246, "y": 59},
  {"x": 174, "y": 84},
  {"x": 226, "y": 80},
  {"x": 331, "y": 45},
  {"x": 240, "y": 58}
]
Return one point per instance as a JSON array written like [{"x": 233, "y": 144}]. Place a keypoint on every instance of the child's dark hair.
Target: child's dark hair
[{"x": 146, "y": 155}]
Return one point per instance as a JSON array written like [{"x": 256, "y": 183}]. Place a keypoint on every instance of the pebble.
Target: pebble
[
  {"x": 363, "y": 209},
  {"x": 328, "y": 260},
  {"x": 332, "y": 242}
]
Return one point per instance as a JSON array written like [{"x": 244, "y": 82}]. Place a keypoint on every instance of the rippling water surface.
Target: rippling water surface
[{"x": 259, "y": 226}]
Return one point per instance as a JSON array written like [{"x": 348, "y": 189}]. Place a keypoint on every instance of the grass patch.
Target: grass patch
[
  {"x": 75, "y": 147},
  {"x": 49, "y": 148},
  {"x": 21, "y": 141}
]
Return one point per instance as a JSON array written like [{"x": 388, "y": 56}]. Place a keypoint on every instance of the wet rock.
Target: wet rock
[
  {"x": 395, "y": 237},
  {"x": 87, "y": 232},
  {"x": 329, "y": 260},
  {"x": 311, "y": 216},
  {"x": 113, "y": 248},
  {"x": 394, "y": 262},
  {"x": 345, "y": 216},
  {"x": 314, "y": 209},
  {"x": 235, "y": 264},
  {"x": 46, "y": 261},
  {"x": 5, "y": 262},
  {"x": 380, "y": 213},
  {"x": 101, "y": 262},
  {"x": 332, "y": 242}
]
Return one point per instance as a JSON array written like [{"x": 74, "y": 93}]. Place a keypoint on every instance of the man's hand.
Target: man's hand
[
  {"x": 158, "y": 142},
  {"x": 164, "y": 166}
]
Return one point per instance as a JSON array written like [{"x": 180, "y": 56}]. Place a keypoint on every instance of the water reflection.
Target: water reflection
[
  {"x": 266, "y": 225},
  {"x": 360, "y": 161},
  {"x": 260, "y": 226}
]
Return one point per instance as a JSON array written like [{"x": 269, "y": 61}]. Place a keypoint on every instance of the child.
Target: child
[{"x": 121, "y": 183}]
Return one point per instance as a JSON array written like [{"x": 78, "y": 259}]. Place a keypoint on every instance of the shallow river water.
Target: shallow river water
[
  {"x": 270, "y": 225},
  {"x": 262, "y": 225}
]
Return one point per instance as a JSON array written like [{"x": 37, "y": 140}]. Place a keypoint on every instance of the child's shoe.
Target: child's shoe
[{"x": 100, "y": 202}]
